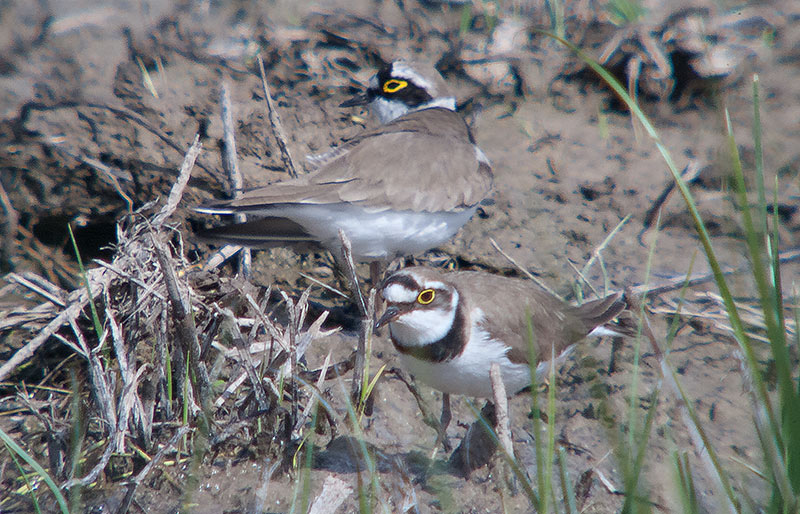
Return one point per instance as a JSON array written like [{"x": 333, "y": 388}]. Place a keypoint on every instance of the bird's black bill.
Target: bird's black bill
[
  {"x": 388, "y": 316},
  {"x": 359, "y": 99}
]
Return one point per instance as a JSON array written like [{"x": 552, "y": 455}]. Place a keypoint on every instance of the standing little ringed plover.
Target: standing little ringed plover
[{"x": 398, "y": 189}]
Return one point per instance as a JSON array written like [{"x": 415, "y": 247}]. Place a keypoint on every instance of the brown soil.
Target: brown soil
[{"x": 569, "y": 166}]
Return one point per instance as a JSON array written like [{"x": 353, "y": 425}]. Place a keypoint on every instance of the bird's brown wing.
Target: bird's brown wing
[
  {"x": 556, "y": 324},
  {"x": 424, "y": 161}
]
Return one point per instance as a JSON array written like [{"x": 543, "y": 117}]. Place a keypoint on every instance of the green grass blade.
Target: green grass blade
[
  {"x": 790, "y": 403},
  {"x": 770, "y": 305},
  {"x": 567, "y": 491},
  {"x": 98, "y": 327},
  {"x": 633, "y": 479},
  {"x": 759, "y": 156},
  {"x": 14, "y": 448},
  {"x": 466, "y": 19},
  {"x": 775, "y": 264},
  {"x": 685, "y": 481},
  {"x": 28, "y": 483},
  {"x": 537, "y": 500},
  {"x": 551, "y": 433}
]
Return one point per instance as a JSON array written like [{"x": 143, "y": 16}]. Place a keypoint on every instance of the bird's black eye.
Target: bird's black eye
[
  {"x": 394, "y": 85},
  {"x": 425, "y": 297}
]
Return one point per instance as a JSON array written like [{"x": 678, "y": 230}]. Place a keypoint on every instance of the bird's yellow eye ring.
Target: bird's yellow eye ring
[
  {"x": 425, "y": 297},
  {"x": 394, "y": 85}
]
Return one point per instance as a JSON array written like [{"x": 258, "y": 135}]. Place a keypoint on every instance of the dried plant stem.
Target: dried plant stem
[
  {"x": 350, "y": 269},
  {"x": 187, "y": 332},
  {"x": 230, "y": 330},
  {"x": 520, "y": 268},
  {"x": 292, "y": 328},
  {"x": 9, "y": 227},
  {"x": 312, "y": 401},
  {"x": 176, "y": 193},
  {"x": 79, "y": 300},
  {"x": 275, "y": 122},
  {"x": 40, "y": 286},
  {"x": 501, "y": 406},
  {"x": 679, "y": 282},
  {"x": 231, "y": 165},
  {"x": 229, "y": 161}
]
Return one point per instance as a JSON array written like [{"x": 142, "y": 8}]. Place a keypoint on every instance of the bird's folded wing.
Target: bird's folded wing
[
  {"x": 423, "y": 162},
  {"x": 409, "y": 171},
  {"x": 269, "y": 231}
]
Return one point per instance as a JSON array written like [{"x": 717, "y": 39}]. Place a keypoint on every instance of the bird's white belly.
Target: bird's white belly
[
  {"x": 468, "y": 372},
  {"x": 376, "y": 234}
]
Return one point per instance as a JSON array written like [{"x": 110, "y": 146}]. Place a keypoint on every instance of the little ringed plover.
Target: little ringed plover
[
  {"x": 398, "y": 189},
  {"x": 449, "y": 327}
]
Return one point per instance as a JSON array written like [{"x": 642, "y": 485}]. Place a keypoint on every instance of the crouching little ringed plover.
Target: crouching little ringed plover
[{"x": 449, "y": 327}]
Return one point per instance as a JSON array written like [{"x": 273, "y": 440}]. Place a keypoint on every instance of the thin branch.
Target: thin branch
[
  {"x": 231, "y": 165},
  {"x": 501, "y": 409},
  {"x": 520, "y": 268},
  {"x": 275, "y": 122},
  {"x": 39, "y": 285},
  {"x": 138, "y": 479},
  {"x": 187, "y": 331},
  {"x": 790, "y": 255},
  {"x": 176, "y": 193}
]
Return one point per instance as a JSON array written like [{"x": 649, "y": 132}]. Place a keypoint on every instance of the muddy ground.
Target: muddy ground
[{"x": 83, "y": 133}]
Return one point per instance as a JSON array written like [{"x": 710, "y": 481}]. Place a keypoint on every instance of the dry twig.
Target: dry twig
[
  {"x": 520, "y": 268},
  {"x": 182, "y": 314},
  {"x": 275, "y": 122},
  {"x": 176, "y": 193},
  {"x": 98, "y": 278},
  {"x": 501, "y": 409},
  {"x": 230, "y": 335},
  {"x": 231, "y": 165}
]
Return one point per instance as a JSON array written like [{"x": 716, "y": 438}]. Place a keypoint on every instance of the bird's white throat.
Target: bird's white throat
[
  {"x": 468, "y": 372},
  {"x": 420, "y": 327}
]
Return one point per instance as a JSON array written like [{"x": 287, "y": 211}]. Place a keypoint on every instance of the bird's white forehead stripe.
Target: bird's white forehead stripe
[
  {"x": 404, "y": 71},
  {"x": 434, "y": 284},
  {"x": 397, "y": 293}
]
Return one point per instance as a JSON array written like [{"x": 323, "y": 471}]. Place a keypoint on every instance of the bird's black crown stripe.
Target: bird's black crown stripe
[{"x": 401, "y": 279}]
